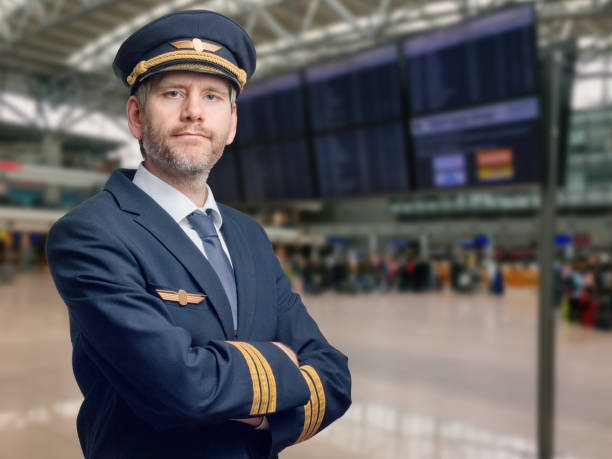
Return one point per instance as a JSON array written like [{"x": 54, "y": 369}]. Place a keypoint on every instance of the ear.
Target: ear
[
  {"x": 135, "y": 116},
  {"x": 232, "y": 133}
]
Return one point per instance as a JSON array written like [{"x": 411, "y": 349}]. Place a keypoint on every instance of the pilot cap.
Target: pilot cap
[{"x": 193, "y": 40}]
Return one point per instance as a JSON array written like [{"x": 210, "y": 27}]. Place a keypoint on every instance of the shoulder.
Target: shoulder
[
  {"x": 248, "y": 226},
  {"x": 99, "y": 212},
  {"x": 237, "y": 217}
]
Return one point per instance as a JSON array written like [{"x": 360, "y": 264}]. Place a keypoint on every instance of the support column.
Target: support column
[
  {"x": 424, "y": 246},
  {"x": 546, "y": 316},
  {"x": 51, "y": 150}
]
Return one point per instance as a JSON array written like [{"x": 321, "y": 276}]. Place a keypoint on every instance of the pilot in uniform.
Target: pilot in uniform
[{"x": 187, "y": 339}]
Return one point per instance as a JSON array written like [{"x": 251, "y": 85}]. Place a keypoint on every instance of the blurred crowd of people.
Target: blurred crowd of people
[
  {"x": 583, "y": 291},
  {"x": 20, "y": 252},
  {"x": 349, "y": 271},
  {"x": 583, "y": 287}
]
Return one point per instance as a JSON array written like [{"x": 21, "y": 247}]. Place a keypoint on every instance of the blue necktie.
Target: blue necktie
[{"x": 204, "y": 226}]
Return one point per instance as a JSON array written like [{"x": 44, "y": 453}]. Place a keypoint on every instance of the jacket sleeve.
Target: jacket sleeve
[
  {"x": 323, "y": 368},
  {"x": 150, "y": 362}
]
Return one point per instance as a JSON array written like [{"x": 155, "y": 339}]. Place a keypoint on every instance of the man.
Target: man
[{"x": 187, "y": 340}]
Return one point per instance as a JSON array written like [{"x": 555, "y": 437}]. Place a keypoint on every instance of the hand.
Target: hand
[
  {"x": 254, "y": 422},
  {"x": 287, "y": 350}
]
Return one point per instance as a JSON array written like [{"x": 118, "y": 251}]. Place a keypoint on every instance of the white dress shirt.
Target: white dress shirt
[{"x": 179, "y": 206}]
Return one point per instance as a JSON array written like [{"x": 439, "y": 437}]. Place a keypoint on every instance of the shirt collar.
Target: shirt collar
[{"x": 172, "y": 200}]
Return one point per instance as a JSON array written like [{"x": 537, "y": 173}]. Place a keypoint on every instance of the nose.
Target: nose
[{"x": 192, "y": 108}]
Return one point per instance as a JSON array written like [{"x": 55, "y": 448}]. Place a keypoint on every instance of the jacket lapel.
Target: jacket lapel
[
  {"x": 244, "y": 273},
  {"x": 154, "y": 219}
]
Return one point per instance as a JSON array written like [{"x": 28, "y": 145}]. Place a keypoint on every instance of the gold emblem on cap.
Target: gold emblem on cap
[
  {"x": 181, "y": 297},
  {"x": 197, "y": 44}
]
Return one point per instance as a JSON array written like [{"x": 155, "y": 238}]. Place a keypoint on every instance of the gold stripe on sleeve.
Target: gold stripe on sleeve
[
  {"x": 271, "y": 380},
  {"x": 307, "y": 421},
  {"x": 308, "y": 408},
  {"x": 254, "y": 378},
  {"x": 316, "y": 404},
  {"x": 263, "y": 378},
  {"x": 321, "y": 399}
]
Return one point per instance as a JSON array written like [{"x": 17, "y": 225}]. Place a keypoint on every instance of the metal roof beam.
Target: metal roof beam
[
  {"x": 16, "y": 110},
  {"x": 33, "y": 18},
  {"x": 360, "y": 31},
  {"x": 337, "y": 6},
  {"x": 274, "y": 25},
  {"x": 313, "y": 6},
  {"x": 337, "y": 37},
  {"x": 259, "y": 10},
  {"x": 96, "y": 54}
]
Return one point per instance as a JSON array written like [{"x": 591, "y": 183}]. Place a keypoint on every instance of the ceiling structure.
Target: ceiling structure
[{"x": 59, "y": 52}]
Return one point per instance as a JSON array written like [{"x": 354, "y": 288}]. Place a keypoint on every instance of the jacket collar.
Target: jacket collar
[{"x": 172, "y": 200}]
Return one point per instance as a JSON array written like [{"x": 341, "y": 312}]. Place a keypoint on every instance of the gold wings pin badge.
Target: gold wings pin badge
[{"x": 181, "y": 296}]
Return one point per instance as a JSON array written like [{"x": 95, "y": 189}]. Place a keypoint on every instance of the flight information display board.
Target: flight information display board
[
  {"x": 271, "y": 109},
  {"x": 359, "y": 161},
  {"x": 362, "y": 88},
  {"x": 487, "y": 145},
  {"x": 489, "y": 58},
  {"x": 223, "y": 179},
  {"x": 279, "y": 170},
  {"x": 475, "y": 112}
]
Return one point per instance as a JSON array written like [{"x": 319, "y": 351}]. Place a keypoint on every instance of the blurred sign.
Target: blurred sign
[
  {"x": 563, "y": 239},
  {"x": 398, "y": 242},
  {"x": 481, "y": 240},
  {"x": 6, "y": 165},
  {"x": 466, "y": 243},
  {"x": 336, "y": 240},
  {"x": 495, "y": 164},
  {"x": 582, "y": 239}
]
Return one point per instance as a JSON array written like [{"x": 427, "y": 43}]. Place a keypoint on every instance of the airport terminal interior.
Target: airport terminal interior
[{"x": 399, "y": 155}]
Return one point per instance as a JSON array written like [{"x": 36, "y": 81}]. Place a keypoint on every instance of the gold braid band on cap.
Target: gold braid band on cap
[{"x": 203, "y": 56}]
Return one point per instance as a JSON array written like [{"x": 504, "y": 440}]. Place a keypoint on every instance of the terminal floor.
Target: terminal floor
[{"x": 434, "y": 376}]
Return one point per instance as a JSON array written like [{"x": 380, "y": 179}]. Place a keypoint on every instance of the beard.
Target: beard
[{"x": 178, "y": 163}]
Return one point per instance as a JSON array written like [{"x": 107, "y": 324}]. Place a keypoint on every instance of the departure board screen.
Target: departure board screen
[
  {"x": 278, "y": 170},
  {"x": 359, "y": 161},
  {"x": 223, "y": 179},
  {"x": 271, "y": 109},
  {"x": 489, "y": 58},
  {"x": 364, "y": 87},
  {"x": 487, "y": 145},
  {"x": 475, "y": 113}
]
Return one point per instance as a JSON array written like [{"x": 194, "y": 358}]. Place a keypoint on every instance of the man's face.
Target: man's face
[{"x": 186, "y": 122}]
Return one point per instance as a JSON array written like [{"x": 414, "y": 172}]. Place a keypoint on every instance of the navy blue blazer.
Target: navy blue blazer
[{"x": 162, "y": 374}]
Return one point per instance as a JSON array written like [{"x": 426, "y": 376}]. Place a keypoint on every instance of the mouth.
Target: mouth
[{"x": 191, "y": 134}]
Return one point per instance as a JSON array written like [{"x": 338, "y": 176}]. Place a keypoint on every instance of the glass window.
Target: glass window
[{"x": 587, "y": 93}]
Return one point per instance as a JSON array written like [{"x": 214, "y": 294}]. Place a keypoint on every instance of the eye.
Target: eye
[
  {"x": 211, "y": 97},
  {"x": 173, "y": 93}
]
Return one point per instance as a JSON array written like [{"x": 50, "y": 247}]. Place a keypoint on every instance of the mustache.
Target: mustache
[{"x": 192, "y": 130}]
